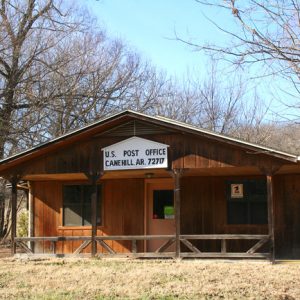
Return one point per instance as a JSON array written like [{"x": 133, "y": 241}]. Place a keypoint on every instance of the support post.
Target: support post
[
  {"x": 271, "y": 216},
  {"x": 14, "y": 196},
  {"x": 177, "y": 174},
  {"x": 95, "y": 172},
  {"x": 93, "y": 179},
  {"x": 30, "y": 217},
  {"x": 94, "y": 215}
]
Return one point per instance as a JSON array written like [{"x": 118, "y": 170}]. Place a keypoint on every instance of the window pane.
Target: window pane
[
  {"x": 87, "y": 218},
  {"x": 257, "y": 190},
  {"x": 72, "y": 215},
  {"x": 163, "y": 204},
  {"x": 77, "y": 205},
  {"x": 237, "y": 212},
  {"x": 252, "y": 208},
  {"x": 87, "y": 194},
  {"x": 259, "y": 212},
  {"x": 72, "y": 194}
]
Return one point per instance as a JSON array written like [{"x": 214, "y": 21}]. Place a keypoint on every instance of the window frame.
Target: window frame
[
  {"x": 247, "y": 200},
  {"x": 100, "y": 201}
]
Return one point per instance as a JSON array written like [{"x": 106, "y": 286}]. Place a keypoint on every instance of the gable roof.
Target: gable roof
[{"x": 126, "y": 115}]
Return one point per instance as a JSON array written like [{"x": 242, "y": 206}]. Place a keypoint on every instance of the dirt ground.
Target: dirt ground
[
  {"x": 4, "y": 252},
  {"x": 88, "y": 278}
]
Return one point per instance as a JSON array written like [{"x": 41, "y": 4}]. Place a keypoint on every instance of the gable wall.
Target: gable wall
[{"x": 185, "y": 151}]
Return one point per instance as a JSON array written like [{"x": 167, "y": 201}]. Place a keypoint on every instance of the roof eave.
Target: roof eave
[{"x": 257, "y": 149}]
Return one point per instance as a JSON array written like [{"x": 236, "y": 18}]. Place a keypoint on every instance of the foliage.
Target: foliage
[{"x": 22, "y": 225}]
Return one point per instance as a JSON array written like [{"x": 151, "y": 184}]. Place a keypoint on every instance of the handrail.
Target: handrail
[
  {"x": 146, "y": 237},
  {"x": 185, "y": 239},
  {"x": 223, "y": 236}
]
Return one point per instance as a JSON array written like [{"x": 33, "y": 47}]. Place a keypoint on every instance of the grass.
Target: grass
[{"x": 147, "y": 279}]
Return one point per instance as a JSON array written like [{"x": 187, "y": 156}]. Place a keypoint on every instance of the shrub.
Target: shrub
[{"x": 22, "y": 225}]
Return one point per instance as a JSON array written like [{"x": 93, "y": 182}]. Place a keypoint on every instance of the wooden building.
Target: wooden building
[{"x": 136, "y": 185}]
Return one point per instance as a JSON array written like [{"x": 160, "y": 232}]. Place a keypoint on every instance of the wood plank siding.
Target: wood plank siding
[
  {"x": 123, "y": 214},
  {"x": 287, "y": 216},
  {"x": 185, "y": 151},
  {"x": 203, "y": 211}
]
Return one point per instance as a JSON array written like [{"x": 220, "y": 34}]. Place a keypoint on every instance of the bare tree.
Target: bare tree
[
  {"x": 27, "y": 41},
  {"x": 268, "y": 32},
  {"x": 59, "y": 71},
  {"x": 266, "y": 35},
  {"x": 221, "y": 105},
  {"x": 57, "y": 74}
]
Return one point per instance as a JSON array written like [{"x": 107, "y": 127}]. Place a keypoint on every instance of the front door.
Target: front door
[{"x": 160, "y": 215}]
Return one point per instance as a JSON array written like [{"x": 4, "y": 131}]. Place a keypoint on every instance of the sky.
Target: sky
[{"x": 150, "y": 27}]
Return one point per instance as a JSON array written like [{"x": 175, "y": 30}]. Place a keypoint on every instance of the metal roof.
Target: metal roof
[{"x": 166, "y": 121}]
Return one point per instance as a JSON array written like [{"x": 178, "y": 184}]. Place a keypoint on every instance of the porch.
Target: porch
[
  {"x": 199, "y": 221},
  {"x": 189, "y": 250}
]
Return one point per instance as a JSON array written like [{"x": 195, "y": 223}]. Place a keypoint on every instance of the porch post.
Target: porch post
[
  {"x": 14, "y": 182},
  {"x": 30, "y": 217},
  {"x": 93, "y": 180},
  {"x": 94, "y": 215},
  {"x": 177, "y": 175},
  {"x": 271, "y": 216}
]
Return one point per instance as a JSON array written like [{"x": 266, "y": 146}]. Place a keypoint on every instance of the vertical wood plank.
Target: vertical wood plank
[
  {"x": 177, "y": 175},
  {"x": 31, "y": 216},
  {"x": 271, "y": 216},
  {"x": 223, "y": 246},
  {"x": 94, "y": 215},
  {"x": 13, "y": 214}
]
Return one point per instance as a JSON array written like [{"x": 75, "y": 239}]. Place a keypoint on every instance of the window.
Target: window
[
  {"x": 77, "y": 205},
  {"x": 163, "y": 204},
  {"x": 247, "y": 202}
]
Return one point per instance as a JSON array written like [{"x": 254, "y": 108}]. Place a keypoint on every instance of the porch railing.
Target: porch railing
[{"x": 187, "y": 240}]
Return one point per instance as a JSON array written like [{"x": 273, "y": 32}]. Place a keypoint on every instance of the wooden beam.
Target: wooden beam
[
  {"x": 53, "y": 238},
  {"x": 25, "y": 247},
  {"x": 94, "y": 176},
  {"x": 258, "y": 245},
  {"x": 100, "y": 238},
  {"x": 30, "y": 217},
  {"x": 133, "y": 246},
  {"x": 94, "y": 216},
  {"x": 224, "y": 255},
  {"x": 176, "y": 175},
  {"x": 106, "y": 247},
  {"x": 165, "y": 246},
  {"x": 223, "y": 246},
  {"x": 138, "y": 255},
  {"x": 190, "y": 246},
  {"x": 81, "y": 247},
  {"x": 224, "y": 236},
  {"x": 14, "y": 197},
  {"x": 271, "y": 216}
]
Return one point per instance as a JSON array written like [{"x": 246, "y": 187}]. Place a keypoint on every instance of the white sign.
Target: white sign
[
  {"x": 135, "y": 153},
  {"x": 237, "y": 190}
]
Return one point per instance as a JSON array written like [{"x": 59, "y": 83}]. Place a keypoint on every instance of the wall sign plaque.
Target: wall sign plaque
[
  {"x": 237, "y": 190},
  {"x": 135, "y": 153}
]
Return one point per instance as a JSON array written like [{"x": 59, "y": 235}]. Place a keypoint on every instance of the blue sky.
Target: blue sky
[{"x": 150, "y": 26}]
